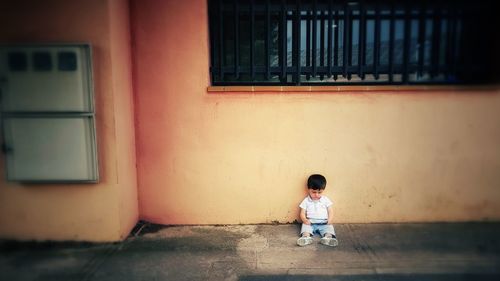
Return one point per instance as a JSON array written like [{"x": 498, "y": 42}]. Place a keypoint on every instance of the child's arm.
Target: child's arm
[
  {"x": 303, "y": 217},
  {"x": 330, "y": 215}
]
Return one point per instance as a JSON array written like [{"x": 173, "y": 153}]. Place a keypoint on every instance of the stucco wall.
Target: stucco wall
[
  {"x": 213, "y": 158},
  {"x": 217, "y": 158},
  {"x": 95, "y": 212}
]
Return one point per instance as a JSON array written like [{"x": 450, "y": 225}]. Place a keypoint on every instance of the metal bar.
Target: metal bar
[
  {"x": 349, "y": 42},
  {"x": 458, "y": 31},
  {"x": 376, "y": 46},
  {"x": 283, "y": 34},
  {"x": 221, "y": 40},
  {"x": 336, "y": 45},
  {"x": 308, "y": 42},
  {"x": 314, "y": 35},
  {"x": 436, "y": 38},
  {"x": 450, "y": 41},
  {"x": 337, "y": 70},
  {"x": 322, "y": 42},
  {"x": 421, "y": 38},
  {"x": 407, "y": 38},
  {"x": 252, "y": 39},
  {"x": 213, "y": 46},
  {"x": 297, "y": 42},
  {"x": 330, "y": 37},
  {"x": 361, "y": 41},
  {"x": 391, "y": 42},
  {"x": 268, "y": 41},
  {"x": 236, "y": 40},
  {"x": 345, "y": 44}
]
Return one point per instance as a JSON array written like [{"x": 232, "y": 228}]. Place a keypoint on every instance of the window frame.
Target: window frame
[{"x": 409, "y": 12}]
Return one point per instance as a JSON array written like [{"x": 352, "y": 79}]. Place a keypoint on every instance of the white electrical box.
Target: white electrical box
[{"x": 47, "y": 111}]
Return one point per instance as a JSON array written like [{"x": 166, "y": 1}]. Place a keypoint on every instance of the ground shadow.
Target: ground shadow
[{"x": 375, "y": 277}]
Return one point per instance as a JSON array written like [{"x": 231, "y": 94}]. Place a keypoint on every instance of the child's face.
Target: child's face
[{"x": 315, "y": 194}]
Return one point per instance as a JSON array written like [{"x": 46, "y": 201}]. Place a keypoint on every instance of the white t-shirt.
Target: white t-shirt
[{"x": 316, "y": 211}]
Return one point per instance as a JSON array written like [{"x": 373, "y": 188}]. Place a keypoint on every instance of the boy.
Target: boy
[{"x": 316, "y": 214}]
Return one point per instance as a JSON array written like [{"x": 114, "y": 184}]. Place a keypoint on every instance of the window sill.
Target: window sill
[{"x": 333, "y": 89}]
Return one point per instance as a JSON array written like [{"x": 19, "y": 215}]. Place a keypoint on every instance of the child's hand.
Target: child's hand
[
  {"x": 330, "y": 215},
  {"x": 303, "y": 217}
]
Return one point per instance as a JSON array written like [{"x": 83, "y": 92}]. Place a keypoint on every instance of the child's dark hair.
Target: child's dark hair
[{"x": 316, "y": 182}]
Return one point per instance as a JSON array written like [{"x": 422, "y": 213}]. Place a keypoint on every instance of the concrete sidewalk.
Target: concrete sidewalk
[{"x": 450, "y": 251}]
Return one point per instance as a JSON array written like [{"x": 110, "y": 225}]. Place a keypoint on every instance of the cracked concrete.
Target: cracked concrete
[{"x": 450, "y": 251}]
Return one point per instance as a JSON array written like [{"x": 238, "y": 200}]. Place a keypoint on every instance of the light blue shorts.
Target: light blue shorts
[{"x": 318, "y": 228}]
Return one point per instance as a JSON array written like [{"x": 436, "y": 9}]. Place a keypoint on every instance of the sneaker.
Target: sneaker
[
  {"x": 332, "y": 242},
  {"x": 303, "y": 241}
]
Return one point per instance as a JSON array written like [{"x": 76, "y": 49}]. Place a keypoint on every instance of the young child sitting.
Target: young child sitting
[{"x": 316, "y": 214}]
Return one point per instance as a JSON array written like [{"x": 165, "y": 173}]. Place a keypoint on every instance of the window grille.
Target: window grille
[{"x": 328, "y": 42}]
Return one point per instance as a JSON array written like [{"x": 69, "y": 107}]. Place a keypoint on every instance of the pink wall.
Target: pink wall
[
  {"x": 196, "y": 157},
  {"x": 106, "y": 211},
  {"x": 170, "y": 72},
  {"x": 123, "y": 106},
  {"x": 212, "y": 158}
]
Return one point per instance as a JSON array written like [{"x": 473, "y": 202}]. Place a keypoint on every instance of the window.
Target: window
[
  {"x": 42, "y": 61},
  {"x": 67, "y": 61},
  {"x": 17, "y": 61},
  {"x": 47, "y": 113},
  {"x": 328, "y": 42}
]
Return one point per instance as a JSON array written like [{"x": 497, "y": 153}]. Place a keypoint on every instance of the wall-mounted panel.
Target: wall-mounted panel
[{"x": 48, "y": 113}]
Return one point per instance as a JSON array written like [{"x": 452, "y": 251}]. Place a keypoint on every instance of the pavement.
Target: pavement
[{"x": 407, "y": 252}]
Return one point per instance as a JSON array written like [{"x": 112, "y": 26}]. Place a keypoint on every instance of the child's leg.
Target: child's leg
[
  {"x": 328, "y": 236},
  {"x": 305, "y": 233},
  {"x": 327, "y": 230},
  {"x": 306, "y": 230}
]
